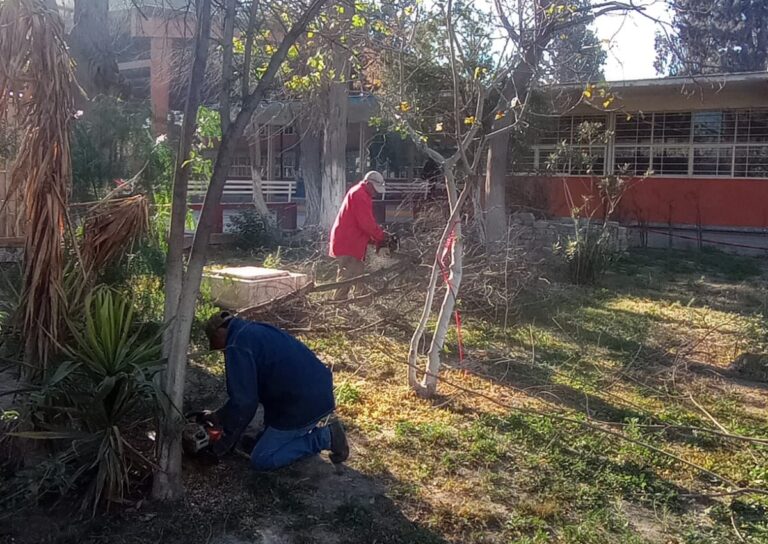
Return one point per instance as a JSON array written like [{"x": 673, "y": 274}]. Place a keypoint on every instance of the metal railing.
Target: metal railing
[
  {"x": 403, "y": 188},
  {"x": 244, "y": 187}
]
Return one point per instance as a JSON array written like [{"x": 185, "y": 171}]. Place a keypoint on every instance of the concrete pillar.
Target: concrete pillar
[
  {"x": 160, "y": 83},
  {"x": 270, "y": 175}
]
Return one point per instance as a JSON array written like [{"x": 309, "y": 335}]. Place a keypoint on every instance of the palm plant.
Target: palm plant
[
  {"x": 37, "y": 87},
  {"x": 95, "y": 404}
]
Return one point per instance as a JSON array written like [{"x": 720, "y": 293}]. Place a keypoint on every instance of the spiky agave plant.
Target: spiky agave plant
[{"x": 96, "y": 403}]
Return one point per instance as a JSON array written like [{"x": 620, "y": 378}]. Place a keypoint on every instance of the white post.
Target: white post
[
  {"x": 270, "y": 174},
  {"x": 362, "y": 149}
]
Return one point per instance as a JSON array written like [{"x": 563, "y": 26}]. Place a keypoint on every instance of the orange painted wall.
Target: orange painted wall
[{"x": 697, "y": 201}]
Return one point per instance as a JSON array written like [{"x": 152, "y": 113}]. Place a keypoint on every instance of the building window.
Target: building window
[
  {"x": 633, "y": 135},
  {"x": 751, "y": 161},
  {"x": 709, "y": 161},
  {"x": 729, "y": 143},
  {"x": 670, "y": 160},
  {"x": 702, "y": 143},
  {"x": 716, "y": 127},
  {"x": 289, "y": 165},
  {"x": 671, "y": 128},
  {"x": 568, "y": 145},
  {"x": 352, "y": 163},
  {"x": 240, "y": 167},
  {"x": 752, "y": 126}
]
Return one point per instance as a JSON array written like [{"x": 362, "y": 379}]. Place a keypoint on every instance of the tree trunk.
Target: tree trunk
[
  {"x": 422, "y": 388},
  {"x": 311, "y": 165},
  {"x": 174, "y": 262},
  {"x": 168, "y": 483},
  {"x": 514, "y": 92},
  {"x": 429, "y": 383},
  {"x": 334, "y": 181},
  {"x": 495, "y": 192},
  {"x": 258, "y": 194},
  {"x": 170, "y": 462}
]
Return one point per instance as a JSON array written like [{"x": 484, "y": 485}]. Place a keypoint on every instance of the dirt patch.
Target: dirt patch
[{"x": 310, "y": 501}]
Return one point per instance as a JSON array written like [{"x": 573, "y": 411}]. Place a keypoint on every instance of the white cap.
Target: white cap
[{"x": 376, "y": 179}]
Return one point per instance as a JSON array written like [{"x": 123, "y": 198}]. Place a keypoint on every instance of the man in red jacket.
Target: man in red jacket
[{"x": 355, "y": 228}]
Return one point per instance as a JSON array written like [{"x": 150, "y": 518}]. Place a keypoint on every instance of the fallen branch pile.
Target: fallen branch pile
[{"x": 393, "y": 287}]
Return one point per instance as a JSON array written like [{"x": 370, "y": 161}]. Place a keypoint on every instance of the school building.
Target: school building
[{"x": 693, "y": 151}]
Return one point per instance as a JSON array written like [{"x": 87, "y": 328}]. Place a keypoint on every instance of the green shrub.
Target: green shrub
[
  {"x": 94, "y": 408},
  {"x": 273, "y": 260},
  {"x": 588, "y": 254},
  {"x": 252, "y": 230}
]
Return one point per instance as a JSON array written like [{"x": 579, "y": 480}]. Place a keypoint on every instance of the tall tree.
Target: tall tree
[
  {"x": 439, "y": 75},
  {"x": 335, "y": 115},
  {"x": 269, "y": 59},
  {"x": 714, "y": 36},
  {"x": 91, "y": 47},
  {"x": 167, "y": 482},
  {"x": 458, "y": 91},
  {"x": 576, "y": 55},
  {"x": 531, "y": 26}
]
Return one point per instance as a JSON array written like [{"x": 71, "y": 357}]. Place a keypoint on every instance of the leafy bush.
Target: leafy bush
[
  {"x": 94, "y": 407},
  {"x": 273, "y": 260},
  {"x": 588, "y": 254},
  {"x": 109, "y": 143},
  {"x": 347, "y": 393},
  {"x": 590, "y": 251},
  {"x": 252, "y": 230}
]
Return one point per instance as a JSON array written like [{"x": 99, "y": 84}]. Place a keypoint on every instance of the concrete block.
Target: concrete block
[{"x": 241, "y": 287}]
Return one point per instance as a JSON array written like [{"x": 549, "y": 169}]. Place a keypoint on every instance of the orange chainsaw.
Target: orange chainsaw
[{"x": 201, "y": 431}]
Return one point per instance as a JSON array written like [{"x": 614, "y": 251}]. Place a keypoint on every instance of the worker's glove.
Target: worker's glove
[
  {"x": 210, "y": 417},
  {"x": 390, "y": 242}
]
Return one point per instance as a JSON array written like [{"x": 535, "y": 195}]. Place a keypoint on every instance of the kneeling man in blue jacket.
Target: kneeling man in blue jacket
[{"x": 267, "y": 365}]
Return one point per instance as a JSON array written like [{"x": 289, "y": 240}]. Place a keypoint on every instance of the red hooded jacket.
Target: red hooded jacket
[{"x": 355, "y": 227}]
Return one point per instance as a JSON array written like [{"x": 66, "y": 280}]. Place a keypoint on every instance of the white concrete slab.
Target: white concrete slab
[
  {"x": 251, "y": 272},
  {"x": 237, "y": 288}
]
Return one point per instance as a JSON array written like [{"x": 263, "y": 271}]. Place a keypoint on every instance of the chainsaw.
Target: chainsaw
[{"x": 199, "y": 434}]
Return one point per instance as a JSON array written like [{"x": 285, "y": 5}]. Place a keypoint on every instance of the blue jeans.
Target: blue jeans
[{"x": 275, "y": 449}]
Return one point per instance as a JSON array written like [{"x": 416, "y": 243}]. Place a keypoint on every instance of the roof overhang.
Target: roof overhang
[{"x": 721, "y": 91}]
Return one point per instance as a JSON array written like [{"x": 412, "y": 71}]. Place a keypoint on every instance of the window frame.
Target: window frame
[
  {"x": 653, "y": 147},
  {"x": 550, "y": 147}
]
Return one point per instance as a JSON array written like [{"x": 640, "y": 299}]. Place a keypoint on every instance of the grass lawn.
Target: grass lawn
[
  {"x": 646, "y": 354},
  {"x": 651, "y": 347}
]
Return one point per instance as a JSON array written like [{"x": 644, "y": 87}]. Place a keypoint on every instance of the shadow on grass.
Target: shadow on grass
[
  {"x": 708, "y": 262},
  {"x": 542, "y": 383},
  {"x": 538, "y": 382}
]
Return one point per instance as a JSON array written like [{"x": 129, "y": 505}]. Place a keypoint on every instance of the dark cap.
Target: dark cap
[{"x": 216, "y": 322}]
